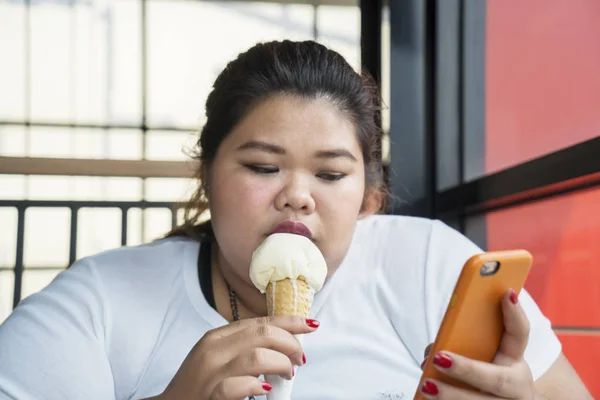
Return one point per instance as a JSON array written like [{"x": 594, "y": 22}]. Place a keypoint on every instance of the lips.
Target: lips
[{"x": 295, "y": 227}]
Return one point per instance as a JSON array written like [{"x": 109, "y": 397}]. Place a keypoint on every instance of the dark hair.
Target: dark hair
[{"x": 307, "y": 69}]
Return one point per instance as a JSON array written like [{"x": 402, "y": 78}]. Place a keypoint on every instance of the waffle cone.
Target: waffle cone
[{"x": 289, "y": 297}]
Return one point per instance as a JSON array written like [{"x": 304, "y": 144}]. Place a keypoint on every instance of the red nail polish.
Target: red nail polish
[
  {"x": 313, "y": 323},
  {"x": 430, "y": 388},
  {"x": 513, "y": 297},
  {"x": 267, "y": 386},
  {"x": 442, "y": 360},
  {"x": 303, "y": 358}
]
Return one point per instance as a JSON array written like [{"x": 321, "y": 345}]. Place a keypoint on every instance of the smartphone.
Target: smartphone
[{"x": 473, "y": 323}]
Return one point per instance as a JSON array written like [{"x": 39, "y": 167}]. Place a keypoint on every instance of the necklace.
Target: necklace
[
  {"x": 234, "y": 306},
  {"x": 233, "y": 301},
  {"x": 234, "y": 312}
]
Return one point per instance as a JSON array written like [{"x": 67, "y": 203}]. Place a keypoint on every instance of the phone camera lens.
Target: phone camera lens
[{"x": 490, "y": 268}]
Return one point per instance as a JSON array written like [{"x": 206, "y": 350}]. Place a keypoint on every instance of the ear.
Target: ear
[{"x": 372, "y": 203}]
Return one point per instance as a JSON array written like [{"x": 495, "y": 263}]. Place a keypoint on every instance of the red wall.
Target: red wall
[
  {"x": 563, "y": 237},
  {"x": 543, "y": 94},
  {"x": 543, "y": 77}
]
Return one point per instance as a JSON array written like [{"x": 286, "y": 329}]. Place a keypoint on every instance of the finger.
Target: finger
[
  {"x": 260, "y": 361},
  {"x": 433, "y": 389},
  {"x": 269, "y": 337},
  {"x": 240, "y": 387},
  {"x": 294, "y": 325},
  {"x": 426, "y": 355},
  {"x": 499, "y": 380},
  {"x": 427, "y": 350},
  {"x": 516, "y": 330}
]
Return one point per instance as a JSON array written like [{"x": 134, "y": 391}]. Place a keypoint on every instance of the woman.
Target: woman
[{"x": 289, "y": 144}]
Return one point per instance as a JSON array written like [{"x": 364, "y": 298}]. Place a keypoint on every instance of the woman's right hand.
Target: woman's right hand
[{"x": 226, "y": 362}]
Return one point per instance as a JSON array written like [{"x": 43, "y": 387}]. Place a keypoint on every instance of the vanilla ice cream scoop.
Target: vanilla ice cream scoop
[{"x": 287, "y": 256}]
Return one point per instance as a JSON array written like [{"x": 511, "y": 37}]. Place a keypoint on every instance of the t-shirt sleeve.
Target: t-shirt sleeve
[
  {"x": 447, "y": 252},
  {"x": 53, "y": 345}
]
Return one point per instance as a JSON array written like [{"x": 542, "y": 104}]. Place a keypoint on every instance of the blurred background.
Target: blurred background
[{"x": 490, "y": 114}]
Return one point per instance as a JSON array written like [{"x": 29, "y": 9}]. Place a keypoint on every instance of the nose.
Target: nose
[{"x": 295, "y": 196}]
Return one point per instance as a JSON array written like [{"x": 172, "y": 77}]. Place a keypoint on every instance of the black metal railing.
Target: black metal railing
[{"x": 74, "y": 206}]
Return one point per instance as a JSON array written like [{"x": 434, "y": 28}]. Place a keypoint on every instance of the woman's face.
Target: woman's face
[{"x": 289, "y": 159}]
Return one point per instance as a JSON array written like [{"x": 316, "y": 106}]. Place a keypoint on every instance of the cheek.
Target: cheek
[
  {"x": 344, "y": 201},
  {"x": 255, "y": 192},
  {"x": 238, "y": 206},
  {"x": 339, "y": 213},
  {"x": 238, "y": 199}
]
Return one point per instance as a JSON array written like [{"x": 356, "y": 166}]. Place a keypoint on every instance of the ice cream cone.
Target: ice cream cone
[
  {"x": 289, "y": 297},
  {"x": 289, "y": 269}
]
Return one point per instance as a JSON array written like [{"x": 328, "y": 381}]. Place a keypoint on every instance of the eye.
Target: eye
[
  {"x": 332, "y": 177},
  {"x": 262, "y": 169}
]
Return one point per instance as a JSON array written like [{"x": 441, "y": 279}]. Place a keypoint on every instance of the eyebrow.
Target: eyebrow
[
  {"x": 336, "y": 153},
  {"x": 264, "y": 146},
  {"x": 274, "y": 149}
]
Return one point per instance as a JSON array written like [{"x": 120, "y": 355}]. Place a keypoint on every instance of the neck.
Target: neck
[{"x": 251, "y": 303}]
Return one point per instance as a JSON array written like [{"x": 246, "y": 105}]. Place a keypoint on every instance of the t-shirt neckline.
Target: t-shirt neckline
[{"x": 192, "y": 285}]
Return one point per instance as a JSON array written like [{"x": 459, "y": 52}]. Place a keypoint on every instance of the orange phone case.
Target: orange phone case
[{"x": 473, "y": 324}]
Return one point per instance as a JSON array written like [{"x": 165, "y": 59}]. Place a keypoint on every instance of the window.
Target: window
[
  {"x": 339, "y": 29},
  {"x": 542, "y": 79},
  {"x": 184, "y": 59},
  {"x": 117, "y": 80}
]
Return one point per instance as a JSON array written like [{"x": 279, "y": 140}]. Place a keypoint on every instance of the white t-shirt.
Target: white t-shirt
[{"x": 118, "y": 325}]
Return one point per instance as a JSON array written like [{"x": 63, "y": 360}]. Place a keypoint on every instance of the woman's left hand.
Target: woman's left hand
[{"x": 508, "y": 377}]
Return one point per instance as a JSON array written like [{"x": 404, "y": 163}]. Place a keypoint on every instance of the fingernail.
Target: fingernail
[
  {"x": 267, "y": 386},
  {"x": 313, "y": 323},
  {"x": 513, "y": 297},
  {"x": 430, "y": 388},
  {"x": 442, "y": 360},
  {"x": 303, "y": 358}
]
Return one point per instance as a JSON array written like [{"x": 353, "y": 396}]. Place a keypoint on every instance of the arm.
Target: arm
[
  {"x": 52, "y": 345},
  {"x": 561, "y": 382}
]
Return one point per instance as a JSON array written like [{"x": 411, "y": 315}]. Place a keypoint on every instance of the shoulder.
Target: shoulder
[
  {"x": 394, "y": 223},
  {"x": 126, "y": 273},
  {"x": 388, "y": 237},
  {"x": 411, "y": 261},
  {"x": 150, "y": 254},
  {"x": 419, "y": 256},
  {"x": 120, "y": 280},
  {"x": 143, "y": 263},
  {"x": 400, "y": 226},
  {"x": 421, "y": 242},
  {"x": 137, "y": 290},
  {"x": 112, "y": 307}
]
